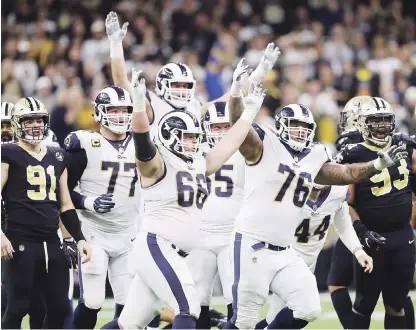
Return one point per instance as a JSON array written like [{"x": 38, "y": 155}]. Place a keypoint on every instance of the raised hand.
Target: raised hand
[
  {"x": 112, "y": 26},
  {"x": 139, "y": 91},
  {"x": 267, "y": 61},
  {"x": 390, "y": 157},
  {"x": 253, "y": 101},
  {"x": 239, "y": 77}
]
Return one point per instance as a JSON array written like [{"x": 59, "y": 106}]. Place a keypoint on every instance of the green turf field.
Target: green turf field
[{"x": 327, "y": 320}]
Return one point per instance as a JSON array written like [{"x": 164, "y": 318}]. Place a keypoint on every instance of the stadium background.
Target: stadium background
[{"x": 58, "y": 52}]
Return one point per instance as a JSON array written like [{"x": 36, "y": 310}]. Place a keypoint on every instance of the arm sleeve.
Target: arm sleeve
[
  {"x": 344, "y": 228},
  {"x": 76, "y": 165},
  {"x": 77, "y": 161}
]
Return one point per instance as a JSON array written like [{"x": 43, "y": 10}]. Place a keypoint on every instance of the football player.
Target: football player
[
  {"x": 35, "y": 195},
  {"x": 175, "y": 85},
  {"x": 174, "y": 191},
  {"x": 225, "y": 190},
  {"x": 347, "y": 127},
  {"x": 37, "y": 309},
  {"x": 102, "y": 165},
  {"x": 281, "y": 166},
  {"x": 381, "y": 208},
  {"x": 6, "y": 123},
  {"x": 325, "y": 206}
]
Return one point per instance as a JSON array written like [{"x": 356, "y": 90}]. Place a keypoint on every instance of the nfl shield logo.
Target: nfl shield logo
[{"x": 21, "y": 248}]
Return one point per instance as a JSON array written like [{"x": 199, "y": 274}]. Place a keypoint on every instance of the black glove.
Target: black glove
[
  {"x": 369, "y": 239},
  {"x": 71, "y": 252}
]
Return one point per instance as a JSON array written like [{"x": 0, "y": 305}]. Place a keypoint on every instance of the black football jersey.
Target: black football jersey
[
  {"x": 384, "y": 202},
  {"x": 31, "y": 193}
]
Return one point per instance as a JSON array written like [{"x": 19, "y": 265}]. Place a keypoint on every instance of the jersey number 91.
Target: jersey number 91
[{"x": 37, "y": 177}]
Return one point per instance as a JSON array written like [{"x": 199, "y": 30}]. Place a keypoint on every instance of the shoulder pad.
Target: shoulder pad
[
  {"x": 260, "y": 131},
  {"x": 348, "y": 137},
  {"x": 345, "y": 155},
  {"x": 404, "y": 138},
  {"x": 73, "y": 142}
]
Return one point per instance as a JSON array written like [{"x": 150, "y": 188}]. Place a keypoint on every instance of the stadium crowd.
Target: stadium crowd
[{"x": 332, "y": 50}]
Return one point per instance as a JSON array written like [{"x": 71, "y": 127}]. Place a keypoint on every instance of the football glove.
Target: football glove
[
  {"x": 112, "y": 26},
  {"x": 239, "y": 78},
  {"x": 391, "y": 156},
  {"x": 102, "y": 204},
  {"x": 253, "y": 101},
  {"x": 368, "y": 238},
  {"x": 267, "y": 61},
  {"x": 71, "y": 252}
]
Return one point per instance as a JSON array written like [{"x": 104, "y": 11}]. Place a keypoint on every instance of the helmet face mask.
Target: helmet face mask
[
  {"x": 7, "y": 134},
  {"x": 216, "y": 122},
  {"x": 113, "y": 109},
  {"x": 175, "y": 84},
  {"x": 180, "y": 132},
  {"x": 376, "y": 121},
  {"x": 295, "y": 126},
  {"x": 379, "y": 128},
  {"x": 30, "y": 120}
]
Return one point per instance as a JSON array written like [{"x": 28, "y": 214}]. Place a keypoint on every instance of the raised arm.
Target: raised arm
[
  {"x": 148, "y": 160},
  {"x": 337, "y": 174},
  {"x": 118, "y": 64},
  {"x": 267, "y": 61},
  {"x": 230, "y": 143},
  {"x": 252, "y": 146}
]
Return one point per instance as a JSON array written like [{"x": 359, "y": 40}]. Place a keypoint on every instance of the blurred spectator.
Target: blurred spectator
[{"x": 44, "y": 92}]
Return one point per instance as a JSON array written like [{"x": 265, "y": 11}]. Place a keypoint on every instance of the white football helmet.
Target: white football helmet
[
  {"x": 348, "y": 117},
  {"x": 376, "y": 121},
  {"x": 175, "y": 73},
  {"x": 28, "y": 108},
  {"x": 285, "y": 124},
  {"x": 172, "y": 128},
  {"x": 217, "y": 113},
  {"x": 6, "y": 122},
  {"x": 113, "y": 97}
]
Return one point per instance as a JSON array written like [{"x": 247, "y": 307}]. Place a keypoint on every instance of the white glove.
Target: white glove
[
  {"x": 253, "y": 101},
  {"x": 267, "y": 61},
  {"x": 364, "y": 260},
  {"x": 239, "y": 78},
  {"x": 390, "y": 157},
  {"x": 115, "y": 34},
  {"x": 139, "y": 91}
]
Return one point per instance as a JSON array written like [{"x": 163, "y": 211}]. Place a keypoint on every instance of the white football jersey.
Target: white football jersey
[
  {"x": 111, "y": 168},
  {"x": 51, "y": 140},
  {"x": 226, "y": 194},
  {"x": 161, "y": 107},
  {"x": 276, "y": 189},
  {"x": 173, "y": 205},
  {"x": 317, "y": 217}
]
